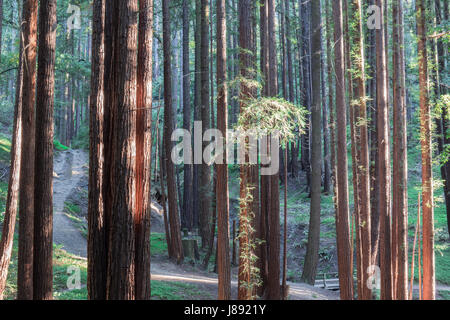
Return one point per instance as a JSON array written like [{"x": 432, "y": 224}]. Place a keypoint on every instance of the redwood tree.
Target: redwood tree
[
  {"x": 312, "y": 252},
  {"x": 26, "y": 191},
  {"x": 427, "y": 175},
  {"x": 43, "y": 182},
  {"x": 223, "y": 230},
  {"x": 143, "y": 150},
  {"x": 342, "y": 215},
  {"x": 175, "y": 233}
]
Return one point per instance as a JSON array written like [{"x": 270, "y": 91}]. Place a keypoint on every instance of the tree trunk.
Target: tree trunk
[
  {"x": 43, "y": 183},
  {"x": 383, "y": 180},
  {"x": 187, "y": 190},
  {"x": 427, "y": 176},
  {"x": 273, "y": 283},
  {"x": 312, "y": 251},
  {"x": 26, "y": 191},
  {"x": 223, "y": 229},
  {"x": 12, "y": 199},
  {"x": 97, "y": 249},
  {"x": 121, "y": 255},
  {"x": 400, "y": 195},
  {"x": 205, "y": 169},
  {"x": 143, "y": 150},
  {"x": 174, "y": 222},
  {"x": 363, "y": 150},
  {"x": 342, "y": 217}
]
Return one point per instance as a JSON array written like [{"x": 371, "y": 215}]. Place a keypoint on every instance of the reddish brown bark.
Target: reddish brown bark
[
  {"x": 143, "y": 150},
  {"x": 342, "y": 216},
  {"x": 427, "y": 175},
  {"x": 174, "y": 223},
  {"x": 26, "y": 191},
  {"x": 223, "y": 242},
  {"x": 121, "y": 255},
  {"x": 43, "y": 183}
]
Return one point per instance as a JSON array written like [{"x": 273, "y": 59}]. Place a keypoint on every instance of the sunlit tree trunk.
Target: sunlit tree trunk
[{"x": 427, "y": 176}]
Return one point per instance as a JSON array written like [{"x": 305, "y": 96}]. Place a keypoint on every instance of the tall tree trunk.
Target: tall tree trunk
[
  {"x": 427, "y": 175},
  {"x": 187, "y": 190},
  {"x": 262, "y": 230},
  {"x": 342, "y": 217},
  {"x": 384, "y": 179},
  {"x": 121, "y": 255},
  {"x": 306, "y": 81},
  {"x": 312, "y": 251},
  {"x": 26, "y": 191},
  {"x": 197, "y": 117},
  {"x": 174, "y": 222},
  {"x": 223, "y": 229},
  {"x": 97, "y": 249},
  {"x": 205, "y": 170},
  {"x": 143, "y": 150},
  {"x": 246, "y": 215},
  {"x": 400, "y": 195},
  {"x": 363, "y": 150},
  {"x": 273, "y": 283},
  {"x": 331, "y": 106},
  {"x": 43, "y": 183}
]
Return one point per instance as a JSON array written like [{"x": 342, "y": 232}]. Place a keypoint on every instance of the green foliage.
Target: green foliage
[
  {"x": 81, "y": 141},
  {"x": 265, "y": 116},
  {"x": 5, "y": 148},
  {"x": 59, "y": 146}
]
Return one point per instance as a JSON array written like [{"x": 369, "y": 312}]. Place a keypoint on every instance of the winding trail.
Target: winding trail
[{"x": 69, "y": 168}]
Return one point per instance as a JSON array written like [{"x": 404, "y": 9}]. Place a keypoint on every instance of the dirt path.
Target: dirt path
[
  {"x": 207, "y": 283},
  {"x": 69, "y": 168}
]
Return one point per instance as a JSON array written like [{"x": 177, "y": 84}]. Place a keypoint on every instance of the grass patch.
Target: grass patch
[{"x": 158, "y": 244}]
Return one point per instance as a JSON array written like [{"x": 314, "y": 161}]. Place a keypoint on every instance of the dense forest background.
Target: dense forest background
[{"x": 188, "y": 76}]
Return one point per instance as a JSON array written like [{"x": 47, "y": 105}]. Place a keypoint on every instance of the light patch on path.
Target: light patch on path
[{"x": 69, "y": 168}]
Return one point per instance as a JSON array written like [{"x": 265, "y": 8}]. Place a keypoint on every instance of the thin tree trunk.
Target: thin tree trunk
[
  {"x": 187, "y": 190},
  {"x": 273, "y": 283},
  {"x": 223, "y": 229},
  {"x": 168, "y": 129},
  {"x": 342, "y": 217},
  {"x": 12, "y": 199},
  {"x": 363, "y": 164},
  {"x": 400, "y": 195},
  {"x": 427, "y": 176},
  {"x": 384, "y": 179},
  {"x": 312, "y": 251},
  {"x": 205, "y": 169}
]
